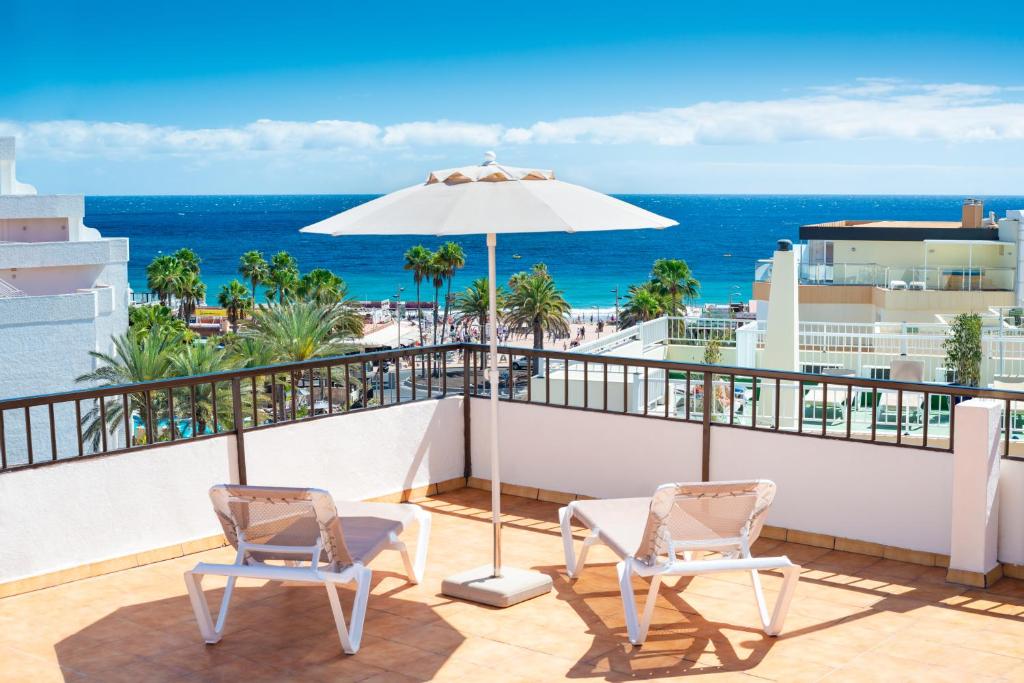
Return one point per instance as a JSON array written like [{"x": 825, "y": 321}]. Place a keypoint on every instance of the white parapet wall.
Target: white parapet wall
[
  {"x": 362, "y": 455},
  {"x": 1011, "y": 512},
  {"x": 868, "y": 492},
  {"x": 597, "y": 454},
  {"x": 77, "y": 513}
]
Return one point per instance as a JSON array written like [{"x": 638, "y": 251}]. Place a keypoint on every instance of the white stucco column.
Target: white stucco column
[
  {"x": 781, "y": 348},
  {"x": 974, "y": 532}
]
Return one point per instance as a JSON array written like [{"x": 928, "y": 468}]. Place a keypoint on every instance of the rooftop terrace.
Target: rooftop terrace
[
  {"x": 892, "y": 531},
  {"x": 856, "y": 617}
]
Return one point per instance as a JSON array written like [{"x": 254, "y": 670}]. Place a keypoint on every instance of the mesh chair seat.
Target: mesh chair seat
[{"x": 619, "y": 520}]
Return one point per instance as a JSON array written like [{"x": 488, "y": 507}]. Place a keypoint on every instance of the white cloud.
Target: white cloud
[
  {"x": 869, "y": 108},
  {"x": 442, "y": 133}
]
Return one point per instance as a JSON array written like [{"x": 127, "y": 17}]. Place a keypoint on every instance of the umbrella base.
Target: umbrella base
[{"x": 479, "y": 585}]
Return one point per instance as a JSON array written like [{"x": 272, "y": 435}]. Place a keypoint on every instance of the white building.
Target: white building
[{"x": 63, "y": 293}]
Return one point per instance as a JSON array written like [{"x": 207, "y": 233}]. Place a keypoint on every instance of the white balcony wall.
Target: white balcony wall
[
  {"x": 72, "y": 514},
  {"x": 1011, "y": 511},
  {"x": 592, "y": 453},
  {"x": 883, "y": 494},
  {"x": 69, "y": 515},
  {"x": 869, "y": 492},
  {"x": 362, "y": 455}
]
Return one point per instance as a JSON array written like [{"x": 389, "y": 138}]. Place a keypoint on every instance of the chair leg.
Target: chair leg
[
  {"x": 790, "y": 576},
  {"x": 762, "y": 607},
  {"x": 584, "y": 550},
  {"x": 194, "y": 584},
  {"x": 422, "y": 544},
  {"x": 222, "y": 616},
  {"x": 565, "y": 519},
  {"x": 652, "y": 599},
  {"x": 625, "y": 571},
  {"x": 403, "y": 549},
  {"x": 351, "y": 636},
  {"x": 414, "y": 569}
]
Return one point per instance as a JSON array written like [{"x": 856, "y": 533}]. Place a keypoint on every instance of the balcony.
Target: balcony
[
  {"x": 99, "y": 533},
  {"x": 946, "y": 278}
]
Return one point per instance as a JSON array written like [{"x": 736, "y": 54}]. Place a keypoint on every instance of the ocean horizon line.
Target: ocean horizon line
[{"x": 721, "y": 237}]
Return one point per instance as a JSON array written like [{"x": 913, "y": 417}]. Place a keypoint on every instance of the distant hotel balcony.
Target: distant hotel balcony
[
  {"x": 852, "y": 349},
  {"x": 959, "y": 278},
  {"x": 881, "y": 517},
  {"x": 38, "y": 269}
]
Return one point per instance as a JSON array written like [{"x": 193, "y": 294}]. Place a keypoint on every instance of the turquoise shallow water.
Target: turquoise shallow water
[{"x": 721, "y": 236}]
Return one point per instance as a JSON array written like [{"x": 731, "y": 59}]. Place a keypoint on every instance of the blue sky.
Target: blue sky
[{"x": 190, "y": 97}]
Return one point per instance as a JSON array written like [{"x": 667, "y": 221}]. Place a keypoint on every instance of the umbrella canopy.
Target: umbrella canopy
[{"x": 489, "y": 198}]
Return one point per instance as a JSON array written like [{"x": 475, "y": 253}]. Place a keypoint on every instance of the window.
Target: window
[
  {"x": 817, "y": 368},
  {"x": 878, "y": 371},
  {"x": 820, "y": 252}
]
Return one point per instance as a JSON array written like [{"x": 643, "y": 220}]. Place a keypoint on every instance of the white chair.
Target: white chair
[
  {"x": 318, "y": 542},
  {"x": 663, "y": 536}
]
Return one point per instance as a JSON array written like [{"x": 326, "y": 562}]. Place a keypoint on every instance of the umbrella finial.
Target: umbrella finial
[{"x": 489, "y": 158}]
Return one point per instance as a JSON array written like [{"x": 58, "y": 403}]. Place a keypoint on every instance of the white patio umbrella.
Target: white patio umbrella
[{"x": 491, "y": 199}]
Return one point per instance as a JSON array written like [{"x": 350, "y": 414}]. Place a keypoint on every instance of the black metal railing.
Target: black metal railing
[
  {"x": 907, "y": 414},
  {"x": 41, "y": 430}
]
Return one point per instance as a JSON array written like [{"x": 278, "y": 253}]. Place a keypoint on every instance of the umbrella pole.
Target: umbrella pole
[{"x": 492, "y": 302}]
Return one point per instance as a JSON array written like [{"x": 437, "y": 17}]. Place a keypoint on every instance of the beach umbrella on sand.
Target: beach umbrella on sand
[{"x": 489, "y": 199}]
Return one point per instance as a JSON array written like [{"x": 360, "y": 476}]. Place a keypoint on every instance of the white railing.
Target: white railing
[
  {"x": 867, "y": 349},
  {"x": 8, "y": 291},
  {"x": 941, "y": 277},
  {"x": 610, "y": 341},
  {"x": 654, "y": 331}
]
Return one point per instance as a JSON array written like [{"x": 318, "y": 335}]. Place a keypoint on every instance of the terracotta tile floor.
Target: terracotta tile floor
[{"x": 853, "y": 618}]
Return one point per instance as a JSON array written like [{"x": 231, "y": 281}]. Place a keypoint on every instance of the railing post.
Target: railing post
[
  {"x": 236, "y": 406},
  {"x": 705, "y": 441},
  {"x": 467, "y": 451}
]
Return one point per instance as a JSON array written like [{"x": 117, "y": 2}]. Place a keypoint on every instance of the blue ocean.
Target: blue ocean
[{"x": 720, "y": 236}]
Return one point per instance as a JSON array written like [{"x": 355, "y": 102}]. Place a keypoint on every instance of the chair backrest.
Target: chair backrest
[
  {"x": 904, "y": 370},
  {"x": 272, "y": 515},
  {"x": 704, "y": 516}
]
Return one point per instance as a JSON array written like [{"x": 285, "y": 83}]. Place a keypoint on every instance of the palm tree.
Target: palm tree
[
  {"x": 203, "y": 359},
  {"x": 437, "y": 276},
  {"x": 136, "y": 358},
  {"x": 418, "y": 260},
  {"x": 674, "y": 280},
  {"x": 254, "y": 268},
  {"x": 302, "y": 330},
  {"x": 141, "y": 319},
  {"x": 538, "y": 303},
  {"x": 250, "y": 352},
  {"x": 643, "y": 302},
  {"x": 235, "y": 298},
  {"x": 323, "y": 286},
  {"x": 188, "y": 259},
  {"x": 162, "y": 275},
  {"x": 191, "y": 290},
  {"x": 517, "y": 280},
  {"x": 451, "y": 258},
  {"x": 472, "y": 304},
  {"x": 283, "y": 277}
]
